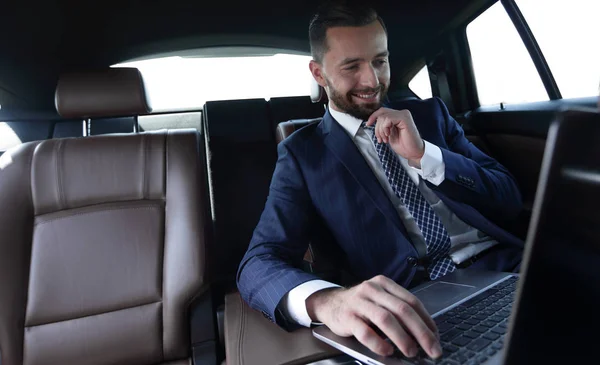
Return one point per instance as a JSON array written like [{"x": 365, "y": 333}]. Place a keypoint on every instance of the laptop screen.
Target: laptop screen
[{"x": 556, "y": 317}]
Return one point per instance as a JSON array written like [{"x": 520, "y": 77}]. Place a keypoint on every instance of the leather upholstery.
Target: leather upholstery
[
  {"x": 16, "y": 227},
  {"x": 113, "y": 92},
  {"x": 178, "y": 362},
  {"x": 273, "y": 345},
  {"x": 102, "y": 248},
  {"x": 285, "y": 129}
]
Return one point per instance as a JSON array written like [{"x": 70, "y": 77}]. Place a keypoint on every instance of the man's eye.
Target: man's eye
[
  {"x": 351, "y": 68},
  {"x": 380, "y": 62}
]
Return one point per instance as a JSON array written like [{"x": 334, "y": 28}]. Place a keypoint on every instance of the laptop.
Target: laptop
[{"x": 547, "y": 313}]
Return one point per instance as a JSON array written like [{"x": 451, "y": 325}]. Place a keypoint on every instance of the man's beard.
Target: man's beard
[{"x": 347, "y": 105}]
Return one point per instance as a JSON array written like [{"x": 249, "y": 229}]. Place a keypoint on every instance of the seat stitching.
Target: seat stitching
[
  {"x": 145, "y": 166},
  {"x": 164, "y": 245},
  {"x": 164, "y": 161},
  {"x": 57, "y": 168},
  {"x": 242, "y": 328},
  {"x": 97, "y": 211},
  {"x": 61, "y": 153},
  {"x": 30, "y": 250},
  {"x": 96, "y": 314},
  {"x": 162, "y": 328},
  {"x": 30, "y": 166}
]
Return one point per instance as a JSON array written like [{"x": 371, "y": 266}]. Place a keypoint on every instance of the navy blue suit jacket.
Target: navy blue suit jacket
[{"x": 322, "y": 188}]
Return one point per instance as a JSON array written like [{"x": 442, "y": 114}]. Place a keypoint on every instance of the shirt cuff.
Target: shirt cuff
[
  {"x": 293, "y": 304},
  {"x": 433, "y": 168}
]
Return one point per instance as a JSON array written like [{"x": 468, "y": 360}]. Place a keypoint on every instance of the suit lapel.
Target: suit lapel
[{"x": 342, "y": 146}]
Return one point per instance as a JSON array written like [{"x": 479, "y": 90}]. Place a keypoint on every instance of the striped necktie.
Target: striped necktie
[{"x": 436, "y": 237}]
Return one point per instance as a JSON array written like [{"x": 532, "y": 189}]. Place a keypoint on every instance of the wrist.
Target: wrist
[
  {"x": 318, "y": 302},
  {"x": 416, "y": 162}
]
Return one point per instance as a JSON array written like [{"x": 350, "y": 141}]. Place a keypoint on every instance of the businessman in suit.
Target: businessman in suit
[{"x": 398, "y": 190}]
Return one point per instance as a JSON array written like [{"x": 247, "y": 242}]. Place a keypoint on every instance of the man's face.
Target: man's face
[{"x": 355, "y": 71}]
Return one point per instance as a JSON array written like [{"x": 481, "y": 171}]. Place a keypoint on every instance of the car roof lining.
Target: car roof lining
[{"x": 57, "y": 36}]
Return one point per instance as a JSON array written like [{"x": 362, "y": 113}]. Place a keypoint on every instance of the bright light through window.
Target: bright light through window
[
  {"x": 504, "y": 71},
  {"x": 421, "y": 85},
  {"x": 177, "y": 83},
  {"x": 8, "y": 137},
  {"x": 569, "y": 36}
]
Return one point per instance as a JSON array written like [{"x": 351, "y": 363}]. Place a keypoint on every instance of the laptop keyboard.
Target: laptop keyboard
[{"x": 474, "y": 331}]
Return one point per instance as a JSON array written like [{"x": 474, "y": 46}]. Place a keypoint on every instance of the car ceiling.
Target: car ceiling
[{"x": 42, "y": 39}]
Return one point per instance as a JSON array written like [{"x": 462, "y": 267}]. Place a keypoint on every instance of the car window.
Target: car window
[
  {"x": 179, "y": 83},
  {"x": 568, "y": 35},
  {"x": 504, "y": 71},
  {"x": 420, "y": 84},
  {"x": 8, "y": 137}
]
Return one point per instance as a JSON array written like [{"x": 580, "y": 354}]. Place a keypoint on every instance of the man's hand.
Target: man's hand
[
  {"x": 397, "y": 128},
  {"x": 382, "y": 303}
]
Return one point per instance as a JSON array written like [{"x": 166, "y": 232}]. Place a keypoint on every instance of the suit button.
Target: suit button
[
  {"x": 267, "y": 315},
  {"x": 412, "y": 261}
]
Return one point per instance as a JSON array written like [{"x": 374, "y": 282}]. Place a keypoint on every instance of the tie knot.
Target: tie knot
[{"x": 365, "y": 126}]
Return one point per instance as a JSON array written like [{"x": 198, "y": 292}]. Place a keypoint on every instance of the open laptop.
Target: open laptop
[{"x": 553, "y": 319}]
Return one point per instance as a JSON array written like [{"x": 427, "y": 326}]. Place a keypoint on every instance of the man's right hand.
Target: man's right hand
[{"x": 377, "y": 302}]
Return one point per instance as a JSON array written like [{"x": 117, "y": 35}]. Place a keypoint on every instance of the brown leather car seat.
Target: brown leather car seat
[
  {"x": 285, "y": 129},
  {"x": 102, "y": 239}
]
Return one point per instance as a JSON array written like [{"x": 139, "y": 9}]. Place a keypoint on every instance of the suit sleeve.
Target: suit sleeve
[
  {"x": 475, "y": 178},
  {"x": 271, "y": 266}
]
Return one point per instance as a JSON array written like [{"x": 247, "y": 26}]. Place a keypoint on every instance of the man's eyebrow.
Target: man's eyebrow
[{"x": 352, "y": 60}]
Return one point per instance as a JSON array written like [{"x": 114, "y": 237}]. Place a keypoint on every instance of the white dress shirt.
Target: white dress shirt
[{"x": 465, "y": 240}]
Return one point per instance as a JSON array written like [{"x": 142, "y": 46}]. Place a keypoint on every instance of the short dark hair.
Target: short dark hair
[{"x": 338, "y": 13}]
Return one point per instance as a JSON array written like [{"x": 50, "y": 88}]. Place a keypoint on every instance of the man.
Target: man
[{"x": 399, "y": 190}]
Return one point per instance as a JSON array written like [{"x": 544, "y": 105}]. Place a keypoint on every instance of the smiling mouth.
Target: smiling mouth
[{"x": 367, "y": 96}]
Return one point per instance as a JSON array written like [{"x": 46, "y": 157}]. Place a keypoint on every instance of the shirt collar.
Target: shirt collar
[{"x": 350, "y": 124}]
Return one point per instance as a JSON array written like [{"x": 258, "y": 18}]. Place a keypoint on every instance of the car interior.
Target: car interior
[{"x": 122, "y": 228}]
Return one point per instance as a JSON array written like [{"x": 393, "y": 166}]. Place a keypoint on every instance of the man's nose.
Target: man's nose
[{"x": 368, "y": 77}]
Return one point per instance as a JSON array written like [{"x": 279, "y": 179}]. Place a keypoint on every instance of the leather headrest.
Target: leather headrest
[
  {"x": 115, "y": 92},
  {"x": 285, "y": 129},
  {"x": 316, "y": 91}
]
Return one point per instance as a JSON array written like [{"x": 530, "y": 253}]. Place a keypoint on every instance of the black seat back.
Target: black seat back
[
  {"x": 242, "y": 156},
  {"x": 99, "y": 126},
  {"x": 296, "y": 107}
]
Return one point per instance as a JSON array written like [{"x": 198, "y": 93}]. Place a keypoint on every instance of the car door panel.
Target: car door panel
[{"x": 516, "y": 137}]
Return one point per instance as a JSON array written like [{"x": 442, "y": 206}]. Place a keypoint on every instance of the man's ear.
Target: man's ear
[{"x": 316, "y": 69}]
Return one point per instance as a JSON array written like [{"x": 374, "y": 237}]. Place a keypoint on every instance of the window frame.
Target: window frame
[
  {"x": 530, "y": 43},
  {"x": 455, "y": 52},
  {"x": 532, "y": 46},
  {"x": 425, "y": 66}
]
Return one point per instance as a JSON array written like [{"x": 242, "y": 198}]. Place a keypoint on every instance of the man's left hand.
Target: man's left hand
[{"x": 397, "y": 128}]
